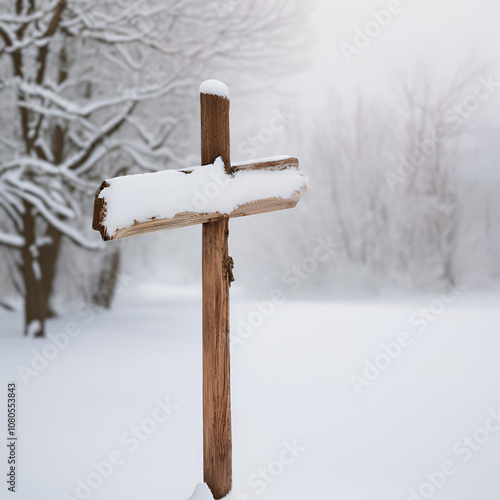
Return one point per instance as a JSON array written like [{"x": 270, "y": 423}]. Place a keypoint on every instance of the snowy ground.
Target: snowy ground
[{"x": 292, "y": 390}]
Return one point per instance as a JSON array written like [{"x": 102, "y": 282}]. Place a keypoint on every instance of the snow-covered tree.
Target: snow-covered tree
[
  {"x": 92, "y": 89},
  {"x": 390, "y": 172}
]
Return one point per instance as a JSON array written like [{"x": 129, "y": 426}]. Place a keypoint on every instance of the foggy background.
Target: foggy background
[
  {"x": 351, "y": 116},
  {"x": 392, "y": 108}
]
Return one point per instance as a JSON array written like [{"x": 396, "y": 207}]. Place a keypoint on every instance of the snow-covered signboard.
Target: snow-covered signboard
[
  {"x": 174, "y": 198},
  {"x": 207, "y": 195}
]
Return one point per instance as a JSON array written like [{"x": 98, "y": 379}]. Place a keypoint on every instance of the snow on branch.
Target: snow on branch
[
  {"x": 35, "y": 29},
  {"x": 69, "y": 231},
  {"x": 22, "y": 20},
  {"x": 115, "y": 30},
  {"x": 70, "y": 110},
  {"x": 7, "y": 35},
  {"x": 11, "y": 240},
  {"x": 108, "y": 128},
  {"x": 21, "y": 188},
  {"x": 34, "y": 164},
  {"x": 141, "y": 154},
  {"x": 11, "y": 212}
]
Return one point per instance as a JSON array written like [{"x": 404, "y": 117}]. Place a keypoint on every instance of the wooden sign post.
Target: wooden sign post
[
  {"x": 209, "y": 195},
  {"x": 216, "y": 279}
]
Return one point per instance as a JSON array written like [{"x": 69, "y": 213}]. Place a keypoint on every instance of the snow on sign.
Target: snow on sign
[
  {"x": 174, "y": 198},
  {"x": 207, "y": 195}
]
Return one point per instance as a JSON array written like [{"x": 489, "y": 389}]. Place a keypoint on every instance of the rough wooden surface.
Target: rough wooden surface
[
  {"x": 192, "y": 218},
  {"x": 100, "y": 212},
  {"x": 216, "y": 275},
  {"x": 269, "y": 164}
]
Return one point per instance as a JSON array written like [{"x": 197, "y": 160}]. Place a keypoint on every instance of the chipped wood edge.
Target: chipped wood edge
[
  {"x": 185, "y": 219},
  {"x": 282, "y": 164},
  {"x": 100, "y": 213},
  {"x": 191, "y": 218}
]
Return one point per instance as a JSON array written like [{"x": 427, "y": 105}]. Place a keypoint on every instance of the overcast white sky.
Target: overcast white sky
[
  {"x": 436, "y": 36},
  {"x": 439, "y": 34},
  {"x": 442, "y": 31}
]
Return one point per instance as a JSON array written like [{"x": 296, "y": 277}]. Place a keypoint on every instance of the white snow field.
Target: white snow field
[{"x": 115, "y": 413}]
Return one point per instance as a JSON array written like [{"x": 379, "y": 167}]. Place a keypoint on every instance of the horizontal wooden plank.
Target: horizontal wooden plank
[
  {"x": 190, "y": 218},
  {"x": 267, "y": 164},
  {"x": 279, "y": 163}
]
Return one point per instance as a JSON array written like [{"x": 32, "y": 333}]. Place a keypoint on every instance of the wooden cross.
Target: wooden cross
[{"x": 210, "y": 195}]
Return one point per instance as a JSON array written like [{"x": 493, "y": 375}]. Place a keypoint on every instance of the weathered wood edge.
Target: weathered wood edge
[
  {"x": 192, "y": 218},
  {"x": 289, "y": 162},
  {"x": 100, "y": 212},
  {"x": 267, "y": 165}
]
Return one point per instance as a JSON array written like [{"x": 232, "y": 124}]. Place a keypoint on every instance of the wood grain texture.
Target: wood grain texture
[
  {"x": 216, "y": 274},
  {"x": 216, "y": 279},
  {"x": 269, "y": 164},
  {"x": 192, "y": 218}
]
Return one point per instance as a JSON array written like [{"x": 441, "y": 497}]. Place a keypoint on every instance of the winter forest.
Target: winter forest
[
  {"x": 392, "y": 109},
  {"x": 91, "y": 91}
]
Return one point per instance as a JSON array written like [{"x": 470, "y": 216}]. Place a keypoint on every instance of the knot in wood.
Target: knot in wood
[{"x": 229, "y": 269}]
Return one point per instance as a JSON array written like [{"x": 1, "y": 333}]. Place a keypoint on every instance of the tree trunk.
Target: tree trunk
[
  {"x": 108, "y": 278},
  {"x": 49, "y": 253},
  {"x": 34, "y": 299}
]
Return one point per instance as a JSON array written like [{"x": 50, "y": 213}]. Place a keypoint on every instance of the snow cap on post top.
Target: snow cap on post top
[{"x": 214, "y": 87}]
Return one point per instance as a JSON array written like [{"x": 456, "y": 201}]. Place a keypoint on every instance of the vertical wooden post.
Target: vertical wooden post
[{"x": 217, "y": 444}]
